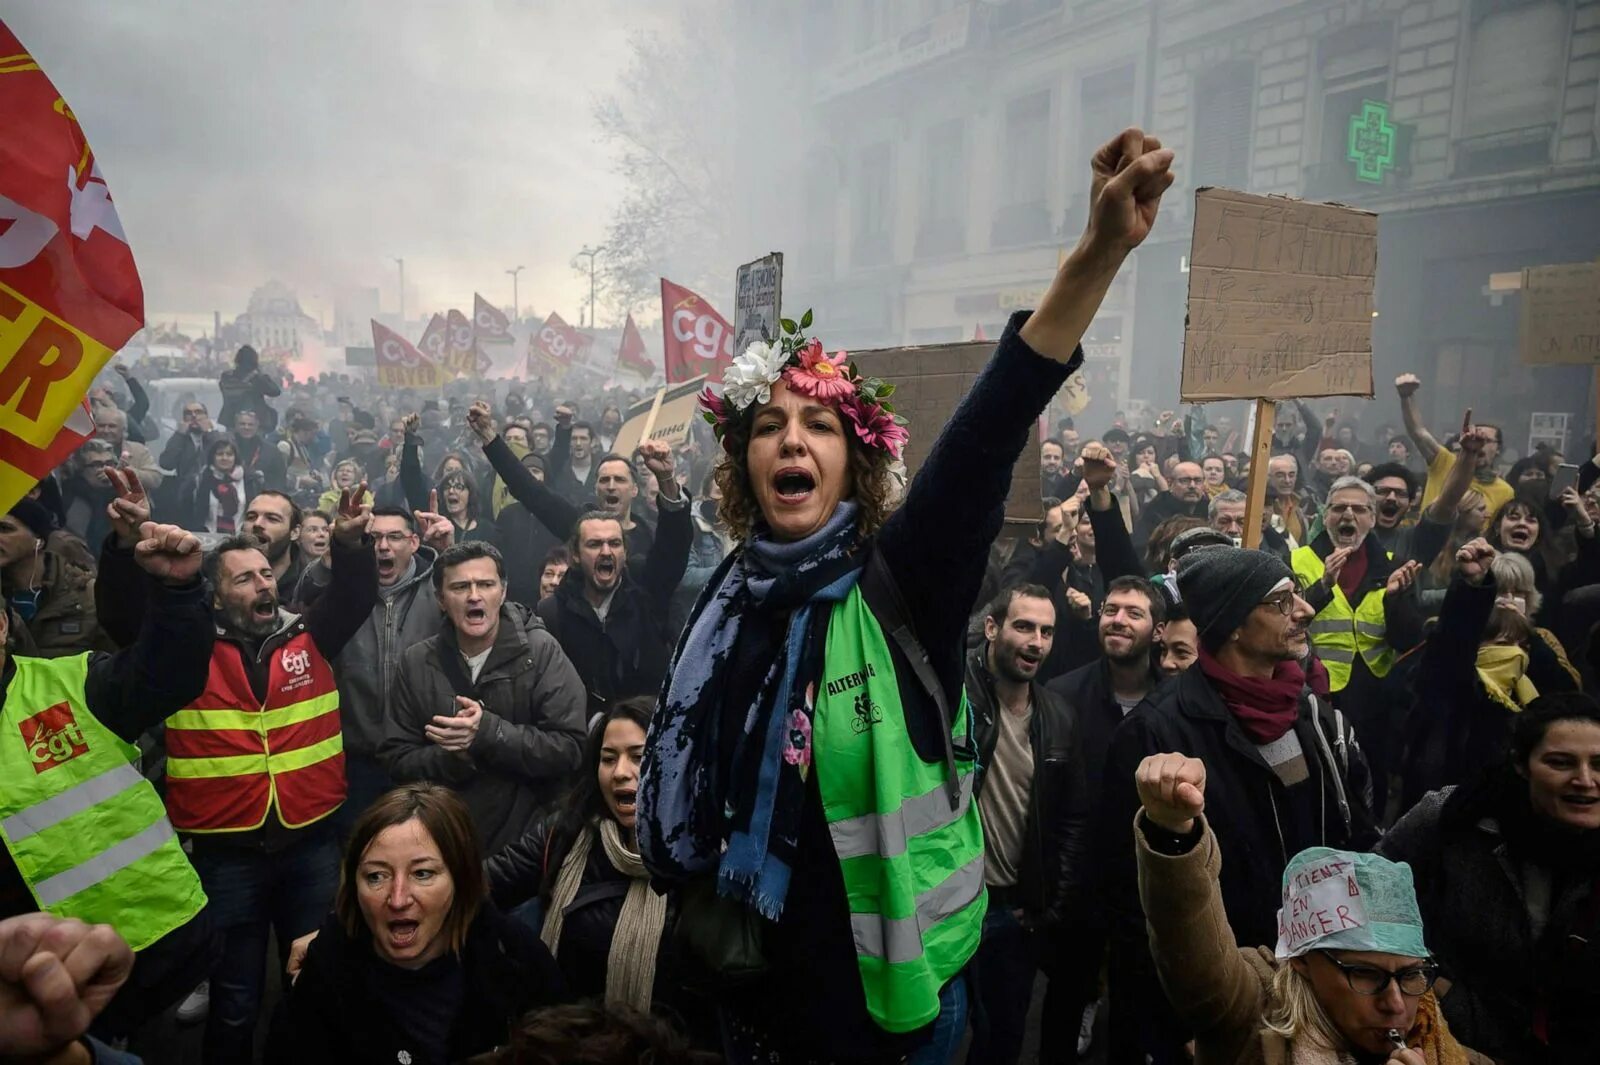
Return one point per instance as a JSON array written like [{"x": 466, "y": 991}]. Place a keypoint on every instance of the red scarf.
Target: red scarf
[{"x": 1265, "y": 709}]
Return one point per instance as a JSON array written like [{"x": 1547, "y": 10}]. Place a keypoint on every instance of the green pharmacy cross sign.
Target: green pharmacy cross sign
[{"x": 1372, "y": 138}]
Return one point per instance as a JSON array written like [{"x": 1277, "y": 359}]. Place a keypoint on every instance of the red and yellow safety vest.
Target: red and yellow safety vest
[{"x": 231, "y": 758}]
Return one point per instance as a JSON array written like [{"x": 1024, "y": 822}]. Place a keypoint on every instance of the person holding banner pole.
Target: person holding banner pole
[{"x": 807, "y": 783}]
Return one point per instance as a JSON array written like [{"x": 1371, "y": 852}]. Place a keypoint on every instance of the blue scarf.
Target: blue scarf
[{"x": 745, "y": 827}]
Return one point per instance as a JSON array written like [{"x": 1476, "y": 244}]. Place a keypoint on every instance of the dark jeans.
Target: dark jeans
[
  {"x": 365, "y": 782},
  {"x": 254, "y": 893},
  {"x": 1002, "y": 986}
]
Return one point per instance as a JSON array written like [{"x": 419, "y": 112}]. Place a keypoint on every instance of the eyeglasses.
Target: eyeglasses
[
  {"x": 1360, "y": 510},
  {"x": 1370, "y": 980},
  {"x": 1283, "y": 603},
  {"x": 1399, "y": 493},
  {"x": 391, "y": 537}
]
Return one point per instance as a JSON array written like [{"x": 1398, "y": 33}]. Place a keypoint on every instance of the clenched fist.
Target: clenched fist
[{"x": 1172, "y": 790}]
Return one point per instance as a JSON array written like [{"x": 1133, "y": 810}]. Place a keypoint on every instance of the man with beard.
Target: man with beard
[
  {"x": 490, "y": 706},
  {"x": 1100, "y": 694},
  {"x": 1053, "y": 470},
  {"x": 615, "y": 626},
  {"x": 274, "y": 520},
  {"x": 1033, "y": 803},
  {"x": 572, "y": 469},
  {"x": 1186, "y": 496},
  {"x": 1284, "y": 765},
  {"x": 615, "y": 489},
  {"x": 255, "y": 764}
]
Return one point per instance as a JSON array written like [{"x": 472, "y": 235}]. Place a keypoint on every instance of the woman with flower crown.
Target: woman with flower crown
[{"x": 807, "y": 784}]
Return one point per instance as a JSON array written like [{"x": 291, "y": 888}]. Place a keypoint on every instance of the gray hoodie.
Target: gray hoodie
[{"x": 406, "y": 614}]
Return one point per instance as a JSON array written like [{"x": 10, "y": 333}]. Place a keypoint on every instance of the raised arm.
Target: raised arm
[
  {"x": 669, "y": 555},
  {"x": 554, "y": 513},
  {"x": 962, "y": 486},
  {"x": 412, "y": 481},
  {"x": 1113, "y": 547},
  {"x": 1406, "y": 385},
  {"x": 344, "y": 606}
]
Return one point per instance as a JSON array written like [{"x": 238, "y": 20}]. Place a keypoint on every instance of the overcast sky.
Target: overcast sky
[{"x": 315, "y": 141}]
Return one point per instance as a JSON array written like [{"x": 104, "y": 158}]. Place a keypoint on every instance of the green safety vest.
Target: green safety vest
[
  {"x": 1340, "y": 631},
  {"x": 88, "y": 833},
  {"x": 912, "y": 864}
]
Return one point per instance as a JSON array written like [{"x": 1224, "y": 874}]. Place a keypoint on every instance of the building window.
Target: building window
[
  {"x": 1515, "y": 68},
  {"x": 1023, "y": 217},
  {"x": 870, "y": 243},
  {"x": 942, "y": 227},
  {"x": 1353, "y": 67},
  {"x": 1222, "y": 118},
  {"x": 819, "y": 230},
  {"x": 1105, "y": 108}
]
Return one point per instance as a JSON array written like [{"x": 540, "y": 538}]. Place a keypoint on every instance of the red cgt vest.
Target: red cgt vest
[{"x": 230, "y": 759}]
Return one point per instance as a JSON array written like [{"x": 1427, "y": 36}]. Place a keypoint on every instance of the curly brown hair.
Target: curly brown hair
[{"x": 870, "y": 477}]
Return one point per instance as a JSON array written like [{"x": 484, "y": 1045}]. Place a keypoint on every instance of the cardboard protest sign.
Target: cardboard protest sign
[
  {"x": 400, "y": 364},
  {"x": 929, "y": 384},
  {"x": 757, "y": 302},
  {"x": 1561, "y": 314},
  {"x": 1280, "y": 299},
  {"x": 666, "y": 417},
  {"x": 69, "y": 290}
]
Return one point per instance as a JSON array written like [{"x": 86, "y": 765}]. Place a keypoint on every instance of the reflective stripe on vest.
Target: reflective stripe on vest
[
  {"x": 234, "y": 760},
  {"x": 1340, "y": 632},
  {"x": 87, "y": 832},
  {"x": 912, "y": 861}
]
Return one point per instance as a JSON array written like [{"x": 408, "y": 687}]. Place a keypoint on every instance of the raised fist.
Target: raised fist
[
  {"x": 1130, "y": 173},
  {"x": 1172, "y": 790},
  {"x": 1407, "y": 384},
  {"x": 481, "y": 421},
  {"x": 1473, "y": 559},
  {"x": 1098, "y": 464},
  {"x": 166, "y": 552},
  {"x": 1080, "y": 604}
]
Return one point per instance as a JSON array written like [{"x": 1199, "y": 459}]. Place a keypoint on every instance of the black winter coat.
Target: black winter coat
[
  {"x": 1260, "y": 824},
  {"x": 1054, "y": 863},
  {"x": 1463, "y": 847},
  {"x": 627, "y": 653},
  {"x": 342, "y": 1008}
]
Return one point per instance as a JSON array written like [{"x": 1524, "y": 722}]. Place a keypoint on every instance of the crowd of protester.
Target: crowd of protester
[{"x": 501, "y": 745}]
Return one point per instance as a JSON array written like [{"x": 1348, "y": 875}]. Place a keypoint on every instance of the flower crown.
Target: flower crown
[{"x": 804, "y": 367}]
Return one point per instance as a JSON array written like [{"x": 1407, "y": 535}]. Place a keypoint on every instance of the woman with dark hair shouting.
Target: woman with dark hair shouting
[{"x": 809, "y": 773}]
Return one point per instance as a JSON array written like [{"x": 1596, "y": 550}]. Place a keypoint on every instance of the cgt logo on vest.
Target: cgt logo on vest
[
  {"x": 53, "y": 737},
  {"x": 295, "y": 662}
]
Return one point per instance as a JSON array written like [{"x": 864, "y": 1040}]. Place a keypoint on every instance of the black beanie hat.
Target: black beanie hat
[
  {"x": 33, "y": 514},
  {"x": 1221, "y": 585}
]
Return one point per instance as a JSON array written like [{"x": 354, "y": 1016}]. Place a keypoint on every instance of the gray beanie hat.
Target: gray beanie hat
[{"x": 1221, "y": 585}]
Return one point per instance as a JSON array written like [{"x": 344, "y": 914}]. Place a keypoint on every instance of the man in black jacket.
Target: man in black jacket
[
  {"x": 1284, "y": 770},
  {"x": 1186, "y": 496},
  {"x": 1033, "y": 802},
  {"x": 615, "y": 626}
]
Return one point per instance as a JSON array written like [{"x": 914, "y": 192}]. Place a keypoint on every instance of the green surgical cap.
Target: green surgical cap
[{"x": 1341, "y": 900}]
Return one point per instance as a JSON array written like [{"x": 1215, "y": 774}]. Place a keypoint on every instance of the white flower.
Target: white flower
[{"x": 751, "y": 376}]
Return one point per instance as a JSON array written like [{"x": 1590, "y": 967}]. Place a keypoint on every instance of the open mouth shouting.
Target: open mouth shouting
[
  {"x": 625, "y": 799},
  {"x": 403, "y": 935},
  {"x": 476, "y": 618},
  {"x": 1519, "y": 535},
  {"x": 793, "y": 486},
  {"x": 605, "y": 570},
  {"x": 1346, "y": 533},
  {"x": 265, "y": 608}
]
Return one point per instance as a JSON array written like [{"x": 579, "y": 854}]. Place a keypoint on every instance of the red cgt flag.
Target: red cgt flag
[
  {"x": 400, "y": 364},
  {"x": 697, "y": 340},
  {"x": 435, "y": 340},
  {"x": 631, "y": 354},
  {"x": 69, "y": 290},
  {"x": 553, "y": 346},
  {"x": 459, "y": 356},
  {"x": 489, "y": 323}
]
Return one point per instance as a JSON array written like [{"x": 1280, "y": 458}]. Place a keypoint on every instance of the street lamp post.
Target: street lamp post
[
  {"x": 402, "y": 264},
  {"x": 591, "y": 253},
  {"x": 516, "y": 308}
]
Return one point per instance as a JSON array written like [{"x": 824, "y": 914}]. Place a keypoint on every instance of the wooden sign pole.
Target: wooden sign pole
[
  {"x": 1260, "y": 455},
  {"x": 650, "y": 419}
]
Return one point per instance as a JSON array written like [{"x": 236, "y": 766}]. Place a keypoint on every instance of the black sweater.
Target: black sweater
[{"x": 811, "y": 1001}]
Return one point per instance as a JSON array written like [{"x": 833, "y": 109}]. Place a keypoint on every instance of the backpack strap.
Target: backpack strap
[{"x": 879, "y": 587}]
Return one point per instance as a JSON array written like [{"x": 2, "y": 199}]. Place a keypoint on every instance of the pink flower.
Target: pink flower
[
  {"x": 713, "y": 405},
  {"x": 875, "y": 426},
  {"x": 798, "y": 750},
  {"x": 820, "y": 375}
]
